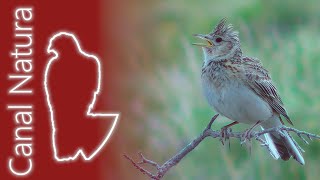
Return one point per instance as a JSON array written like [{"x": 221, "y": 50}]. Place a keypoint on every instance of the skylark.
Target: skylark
[{"x": 240, "y": 88}]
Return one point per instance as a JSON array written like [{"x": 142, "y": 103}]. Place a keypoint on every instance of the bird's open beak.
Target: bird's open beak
[{"x": 204, "y": 37}]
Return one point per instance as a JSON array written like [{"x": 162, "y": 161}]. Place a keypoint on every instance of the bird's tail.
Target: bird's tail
[
  {"x": 284, "y": 145},
  {"x": 271, "y": 145}
]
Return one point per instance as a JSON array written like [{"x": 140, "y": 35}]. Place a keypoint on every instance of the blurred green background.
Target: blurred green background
[{"x": 166, "y": 94}]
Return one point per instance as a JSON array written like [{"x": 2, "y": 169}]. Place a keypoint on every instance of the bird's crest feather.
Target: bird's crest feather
[{"x": 224, "y": 30}]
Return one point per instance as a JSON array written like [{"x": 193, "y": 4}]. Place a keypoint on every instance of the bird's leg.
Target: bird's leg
[
  {"x": 247, "y": 133},
  {"x": 224, "y": 131}
]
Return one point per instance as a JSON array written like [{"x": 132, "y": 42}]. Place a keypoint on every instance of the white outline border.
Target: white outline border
[{"x": 80, "y": 151}]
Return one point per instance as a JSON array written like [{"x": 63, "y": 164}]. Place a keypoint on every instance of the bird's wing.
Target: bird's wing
[{"x": 258, "y": 79}]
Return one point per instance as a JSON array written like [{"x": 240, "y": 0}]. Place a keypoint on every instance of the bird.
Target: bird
[{"x": 240, "y": 88}]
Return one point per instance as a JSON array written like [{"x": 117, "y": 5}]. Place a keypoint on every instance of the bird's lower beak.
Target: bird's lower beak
[{"x": 204, "y": 37}]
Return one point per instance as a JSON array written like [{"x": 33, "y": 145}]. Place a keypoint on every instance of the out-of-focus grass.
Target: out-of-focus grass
[{"x": 283, "y": 35}]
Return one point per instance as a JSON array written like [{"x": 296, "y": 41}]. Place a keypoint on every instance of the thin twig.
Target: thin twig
[{"x": 208, "y": 132}]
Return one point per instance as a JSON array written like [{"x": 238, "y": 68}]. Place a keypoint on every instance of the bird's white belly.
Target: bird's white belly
[{"x": 238, "y": 103}]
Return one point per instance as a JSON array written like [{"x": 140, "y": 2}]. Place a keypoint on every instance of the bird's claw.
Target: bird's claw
[
  {"x": 224, "y": 134},
  {"x": 247, "y": 135}
]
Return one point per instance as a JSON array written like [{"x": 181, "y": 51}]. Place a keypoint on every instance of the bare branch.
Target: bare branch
[
  {"x": 141, "y": 169},
  {"x": 208, "y": 132}
]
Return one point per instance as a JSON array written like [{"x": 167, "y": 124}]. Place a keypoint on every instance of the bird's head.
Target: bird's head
[{"x": 222, "y": 43}]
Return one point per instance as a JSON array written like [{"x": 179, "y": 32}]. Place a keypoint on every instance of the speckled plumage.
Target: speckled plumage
[{"x": 240, "y": 88}]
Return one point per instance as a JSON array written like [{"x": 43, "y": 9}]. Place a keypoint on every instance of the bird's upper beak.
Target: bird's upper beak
[{"x": 204, "y": 37}]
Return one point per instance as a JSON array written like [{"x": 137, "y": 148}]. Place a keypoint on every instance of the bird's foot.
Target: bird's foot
[
  {"x": 225, "y": 132},
  {"x": 247, "y": 135},
  {"x": 224, "y": 136}
]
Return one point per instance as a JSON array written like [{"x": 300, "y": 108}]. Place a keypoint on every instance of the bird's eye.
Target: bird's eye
[{"x": 218, "y": 39}]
